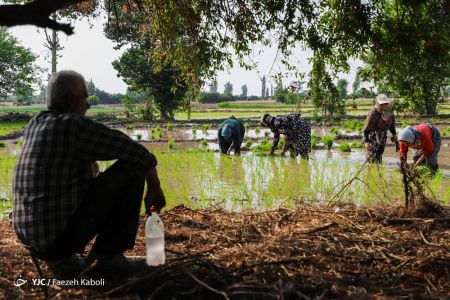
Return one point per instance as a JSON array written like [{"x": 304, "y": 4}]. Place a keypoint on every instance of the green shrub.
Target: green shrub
[
  {"x": 328, "y": 141},
  {"x": 345, "y": 147}
]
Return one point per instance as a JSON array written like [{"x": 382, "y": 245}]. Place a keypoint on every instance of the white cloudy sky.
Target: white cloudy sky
[{"x": 89, "y": 52}]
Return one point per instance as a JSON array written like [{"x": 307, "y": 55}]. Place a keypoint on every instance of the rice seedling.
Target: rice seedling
[
  {"x": 314, "y": 139},
  {"x": 2, "y": 144},
  {"x": 266, "y": 134},
  {"x": 248, "y": 143},
  {"x": 328, "y": 141},
  {"x": 353, "y": 125},
  {"x": 246, "y": 127},
  {"x": 257, "y": 130},
  {"x": 129, "y": 127},
  {"x": 194, "y": 129},
  {"x": 169, "y": 126},
  {"x": 345, "y": 147},
  {"x": 446, "y": 132},
  {"x": 204, "y": 143},
  {"x": 356, "y": 144},
  {"x": 205, "y": 127},
  {"x": 171, "y": 144},
  {"x": 335, "y": 131},
  {"x": 138, "y": 136}
]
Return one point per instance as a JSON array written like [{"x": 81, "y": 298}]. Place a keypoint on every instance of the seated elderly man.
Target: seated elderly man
[{"x": 59, "y": 203}]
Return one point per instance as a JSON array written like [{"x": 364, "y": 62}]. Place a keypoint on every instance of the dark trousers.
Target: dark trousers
[{"x": 110, "y": 211}]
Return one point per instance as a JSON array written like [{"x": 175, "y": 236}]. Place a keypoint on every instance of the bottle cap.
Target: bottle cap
[{"x": 152, "y": 209}]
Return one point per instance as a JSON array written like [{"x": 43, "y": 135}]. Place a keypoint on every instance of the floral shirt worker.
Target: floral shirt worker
[
  {"x": 426, "y": 139},
  {"x": 378, "y": 121},
  {"x": 296, "y": 129}
]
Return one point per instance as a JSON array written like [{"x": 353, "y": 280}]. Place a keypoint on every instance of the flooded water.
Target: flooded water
[{"x": 206, "y": 178}]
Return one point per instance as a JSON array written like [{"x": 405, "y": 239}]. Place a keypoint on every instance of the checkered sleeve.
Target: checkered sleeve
[{"x": 98, "y": 142}]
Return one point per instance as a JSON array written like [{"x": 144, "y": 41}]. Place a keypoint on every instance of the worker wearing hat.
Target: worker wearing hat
[
  {"x": 426, "y": 139},
  {"x": 296, "y": 130},
  {"x": 231, "y": 135},
  {"x": 378, "y": 121}
]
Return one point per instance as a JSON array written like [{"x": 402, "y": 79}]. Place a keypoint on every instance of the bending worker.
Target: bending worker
[
  {"x": 296, "y": 129},
  {"x": 231, "y": 135},
  {"x": 378, "y": 121},
  {"x": 426, "y": 139}
]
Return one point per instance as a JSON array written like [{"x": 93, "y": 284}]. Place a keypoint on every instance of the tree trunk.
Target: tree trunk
[{"x": 54, "y": 46}]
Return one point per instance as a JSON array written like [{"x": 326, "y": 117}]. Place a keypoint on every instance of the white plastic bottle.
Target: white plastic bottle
[{"x": 154, "y": 239}]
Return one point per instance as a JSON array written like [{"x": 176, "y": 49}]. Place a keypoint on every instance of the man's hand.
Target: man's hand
[
  {"x": 155, "y": 196},
  {"x": 368, "y": 146}
]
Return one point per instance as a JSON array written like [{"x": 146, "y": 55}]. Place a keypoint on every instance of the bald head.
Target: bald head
[{"x": 67, "y": 92}]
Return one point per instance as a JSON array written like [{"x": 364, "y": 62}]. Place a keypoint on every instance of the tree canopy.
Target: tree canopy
[{"x": 18, "y": 71}]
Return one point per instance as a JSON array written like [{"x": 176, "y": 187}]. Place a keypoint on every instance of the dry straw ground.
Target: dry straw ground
[{"x": 307, "y": 252}]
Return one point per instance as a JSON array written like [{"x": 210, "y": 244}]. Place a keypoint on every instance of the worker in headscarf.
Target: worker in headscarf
[
  {"x": 296, "y": 130},
  {"x": 426, "y": 139},
  {"x": 378, "y": 121},
  {"x": 231, "y": 135}
]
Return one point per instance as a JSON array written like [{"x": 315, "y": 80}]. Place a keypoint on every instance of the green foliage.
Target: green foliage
[
  {"x": 341, "y": 87},
  {"x": 411, "y": 54},
  {"x": 257, "y": 130},
  {"x": 169, "y": 126},
  {"x": 194, "y": 129},
  {"x": 252, "y": 105},
  {"x": 18, "y": 71},
  {"x": 138, "y": 136},
  {"x": 345, "y": 147},
  {"x": 129, "y": 127},
  {"x": 266, "y": 134},
  {"x": 127, "y": 103},
  {"x": 141, "y": 74},
  {"x": 228, "y": 89},
  {"x": 156, "y": 133},
  {"x": 328, "y": 141},
  {"x": 93, "y": 100}
]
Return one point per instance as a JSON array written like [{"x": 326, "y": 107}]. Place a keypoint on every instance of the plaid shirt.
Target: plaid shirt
[{"x": 53, "y": 172}]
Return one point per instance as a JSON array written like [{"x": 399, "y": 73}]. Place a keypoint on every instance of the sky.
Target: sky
[{"x": 90, "y": 53}]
